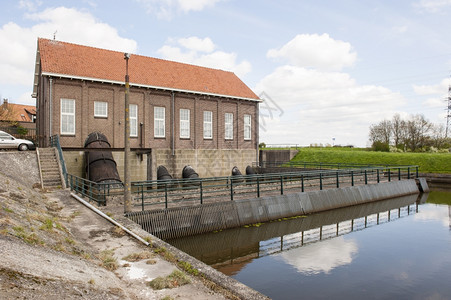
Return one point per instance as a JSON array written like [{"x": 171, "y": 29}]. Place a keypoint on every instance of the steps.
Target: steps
[{"x": 49, "y": 168}]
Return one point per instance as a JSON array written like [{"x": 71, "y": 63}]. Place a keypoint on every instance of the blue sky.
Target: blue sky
[{"x": 327, "y": 69}]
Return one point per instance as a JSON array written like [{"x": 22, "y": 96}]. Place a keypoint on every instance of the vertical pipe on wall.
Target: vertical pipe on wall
[
  {"x": 50, "y": 107},
  {"x": 256, "y": 132},
  {"x": 173, "y": 123}
]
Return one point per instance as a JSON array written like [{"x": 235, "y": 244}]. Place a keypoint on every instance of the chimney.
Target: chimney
[{"x": 5, "y": 103}]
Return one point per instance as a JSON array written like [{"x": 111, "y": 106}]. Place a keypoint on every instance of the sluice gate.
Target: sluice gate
[{"x": 184, "y": 221}]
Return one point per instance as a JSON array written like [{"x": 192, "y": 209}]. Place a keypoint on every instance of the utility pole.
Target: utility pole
[
  {"x": 127, "y": 191},
  {"x": 448, "y": 114}
]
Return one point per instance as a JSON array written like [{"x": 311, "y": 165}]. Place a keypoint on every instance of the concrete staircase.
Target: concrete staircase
[{"x": 49, "y": 168}]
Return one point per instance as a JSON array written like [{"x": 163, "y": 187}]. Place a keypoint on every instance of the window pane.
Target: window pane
[
  {"x": 100, "y": 109},
  {"x": 208, "y": 124},
  {"x": 159, "y": 122},
  {"x": 184, "y": 123},
  {"x": 67, "y": 116},
  {"x": 247, "y": 127},
  {"x": 228, "y": 126},
  {"x": 133, "y": 115}
]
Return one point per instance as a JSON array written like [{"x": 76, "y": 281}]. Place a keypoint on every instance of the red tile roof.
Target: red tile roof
[
  {"x": 79, "y": 61},
  {"x": 20, "y": 112}
]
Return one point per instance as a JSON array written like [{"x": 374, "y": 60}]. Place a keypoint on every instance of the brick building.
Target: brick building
[{"x": 180, "y": 114}]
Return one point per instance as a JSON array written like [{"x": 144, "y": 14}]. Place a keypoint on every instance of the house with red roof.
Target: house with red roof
[{"x": 180, "y": 114}]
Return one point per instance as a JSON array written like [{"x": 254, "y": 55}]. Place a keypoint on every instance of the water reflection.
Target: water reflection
[
  {"x": 231, "y": 250},
  {"x": 321, "y": 257}
]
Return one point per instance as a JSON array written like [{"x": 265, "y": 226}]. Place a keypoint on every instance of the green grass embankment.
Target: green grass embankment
[{"x": 428, "y": 162}]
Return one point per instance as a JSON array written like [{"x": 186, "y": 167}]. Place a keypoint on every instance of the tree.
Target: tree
[
  {"x": 415, "y": 134},
  {"x": 399, "y": 130},
  {"x": 380, "y": 135},
  {"x": 418, "y": 130}
]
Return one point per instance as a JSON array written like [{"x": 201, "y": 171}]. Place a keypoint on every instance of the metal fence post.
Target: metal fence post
[
  {"x": 352, "y": 178},
  {"x": 320, "y": 181},
  {"x": 165, "y": 195},
  {"x": 338, "y": 183},
  {"x": 416, "y": 171},
  {"x": 142, "y": 197},
  {"x": 389, "y": 175},
  {"x": 281, "y": 185},
  {"x": 366, "y": 177},
  {"x": 302, "y": 182},
  {"x": 399, "y": 173},
  {"x": 231, "y": 189},
  {"x": 408, "y": 172},
  {"x": 258, "y": 188},
  {"x": 377, "y": 171},
  {"x": 201, "y": 193}
]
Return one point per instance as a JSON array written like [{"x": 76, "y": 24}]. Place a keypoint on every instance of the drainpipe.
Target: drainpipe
[
  {"x": 172, "y": 121},
  {"x": 257, "y": 132},
  {"x": 50, "y": 106}
]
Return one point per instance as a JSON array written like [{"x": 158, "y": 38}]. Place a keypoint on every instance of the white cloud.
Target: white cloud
[
  {"x": 197, "y": 44},
  {"x": 434, "y": 213},
  {"x": 435, "y": 89},
  {"x": 18, "y": 51},
  {"x": 434, "y": 102},
  {"x": 166, "y": 9},
  {"x": 433, "y": 5},
  {"x": 318, "y": 106},
  {"x": 316, "y": 51},
  {"x": 29, "y": 4},
  {"x": 321, "y": 257},
  {"x": 194, "y": 50}
]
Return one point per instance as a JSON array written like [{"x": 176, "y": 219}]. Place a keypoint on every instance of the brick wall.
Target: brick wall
[{"x": 85, "y": 93}]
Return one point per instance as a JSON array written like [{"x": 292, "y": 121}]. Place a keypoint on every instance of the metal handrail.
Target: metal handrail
[
  {"x": 55, "y": 142},
  {"x": 182, "y": 192},
  {"x": 198, "y": 190}
]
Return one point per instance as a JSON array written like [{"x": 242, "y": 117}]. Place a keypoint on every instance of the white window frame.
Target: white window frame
[
  {"x": 184, "y": 123},
  {"x": 159, "y": 121},
  {"x": 67, "y": 119},
  {"x": 133, "y": 117},
  {"x": 247, "y": 127},
  {"x": 208, "y": 125},
  {"x": 100, "y": 110},
  {"x": 228, "y": 126}
]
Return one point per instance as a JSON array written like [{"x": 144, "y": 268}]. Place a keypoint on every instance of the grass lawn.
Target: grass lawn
[{"x": 428, "y": 162}]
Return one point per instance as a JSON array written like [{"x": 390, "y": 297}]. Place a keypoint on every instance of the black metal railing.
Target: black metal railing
[
  {"x": 97, "y": 192},
  {"x": 55, "y": 142},
  {"x": 184, "y": 192}
]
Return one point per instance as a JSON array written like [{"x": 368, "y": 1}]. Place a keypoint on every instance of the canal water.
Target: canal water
[{"x": 393, "y": 249}]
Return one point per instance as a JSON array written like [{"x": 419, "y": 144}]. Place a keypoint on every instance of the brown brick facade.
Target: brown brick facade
[
  {"x": 86, "y": 93},
  {"x": 209, "y": 157}
]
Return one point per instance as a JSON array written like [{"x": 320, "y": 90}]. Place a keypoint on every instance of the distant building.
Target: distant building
[
  {"x": 180, "y": 114},
  {"x": 24, "y": 115}
]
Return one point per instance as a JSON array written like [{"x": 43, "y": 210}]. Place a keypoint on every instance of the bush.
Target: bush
[{"x": 380, "y": 146}]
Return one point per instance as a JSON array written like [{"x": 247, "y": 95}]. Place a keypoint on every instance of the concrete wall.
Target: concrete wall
[
  {"x": 198, "y": 219},
  {"x": 138, "y": 171},
  {"x": 206, "y": 162},
  {"x": 270, "y": 156}
]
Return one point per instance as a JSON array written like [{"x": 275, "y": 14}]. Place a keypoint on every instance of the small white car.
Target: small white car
[{"x": 7, "y": 141}]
